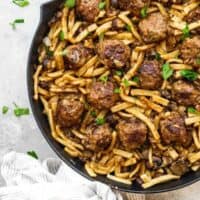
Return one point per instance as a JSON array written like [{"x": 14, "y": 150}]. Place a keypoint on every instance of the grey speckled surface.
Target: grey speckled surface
[{"x": 23, "y": 134}]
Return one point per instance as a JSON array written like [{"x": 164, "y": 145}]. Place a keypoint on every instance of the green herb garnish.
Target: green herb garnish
[
  {"x": 189, "y": 74},
  {"x": 126, "y": 83},
  {"x": 16, "y": 21},
  {"x": 119, "y": 72},
  {"x": 167, "y": 71},
  {"x": 70, "y": 3},
  {"x": 32, "y": 154},
  {"x": 100, "y": 121},
  {"x": 136, "y": 79},
  {"x": 117, "y": 90},
  {"x": 143, "y": 12},
  {"x": 102, "y": 5},
  {"x": 191, "y": 110},
  {"x": 20, "y": 111},
  {"x": 5, "y": 109},
  {"x": 128, "y": 28},
  {"x": 186, "y": 32},
  {"x": 104, "y": 79},
  {"x": 157, "y": 56},
  {"x": 93, "y": 113},
  {"x": 21, "y": 3},
  {"x": 62, "y": 35}
]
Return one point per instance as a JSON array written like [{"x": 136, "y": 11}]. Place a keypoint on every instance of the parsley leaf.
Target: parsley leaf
[
  {"x": 70, "y": 3},
  {"x": 93, "y": 113},
  {"x": 32, "y": 154},
  {"x": 191, "y": 110},
  {"x": 167, "y": 71},
  {"x": 136, "y": 79},
  {"x": 189, "y": 74},
  {"x": 117, "y": 90},
  {"x": 102, "y": 5},
  {"x": 5, "y": 109},
  {"x": 143, "y": 12},
  {"x": 16, "y": 21},
  {"x": 21, "y": 3},
  {"x": 104, "y": 79},
  {"x": 100, "y": 121},
  {"x": 186, "y": 32},
  {"x": 119, "y": 72},
  {"x": 128, "y": 28},
  {"x": 126, "y": 83},
  {"x": 21, "y": 111},
  {"x": 61, "y": 36},
  {"x": 157, "y": 56}
]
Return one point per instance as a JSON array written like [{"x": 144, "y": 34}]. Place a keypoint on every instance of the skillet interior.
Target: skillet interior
[{"x": 47, "y": 11}]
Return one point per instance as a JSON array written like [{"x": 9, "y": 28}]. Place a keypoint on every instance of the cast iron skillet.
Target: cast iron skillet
[{"x": 47, "y": 11}]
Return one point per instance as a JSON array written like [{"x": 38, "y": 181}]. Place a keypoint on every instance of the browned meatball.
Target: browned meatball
[
  {"x": 190, "y": 50},
  {"x": 173, "y": 129},
  {"x": 133, "y": 5},
  {"x": 88, "y": 10},
  {"x": 77, "y": 55},
  {"x": 113, "y": 53},
  {"x": 171, "y": 1},
  {"x": 153, "y": 28},
  {"x": 150, "y": 75},
  {"x": 69, "y": 110},
  {"x": 132, "y": 133},
  {"x": 185, "y": 93},
  {"x": 179, "y": 167},
  {"x": 102, "y": 95},
  {"x": 98, "y": 137},
  {"x": 194, "y": 16}
]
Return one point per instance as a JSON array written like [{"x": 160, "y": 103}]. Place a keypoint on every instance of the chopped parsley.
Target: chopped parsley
[
  {"x": 102, "y": 5},
  {"x": 61, "y": 36},
  {"x": 126, "y": 83},
  {"x": 186, "y": 32},
  {"x": 117, "y": 90},
  {"x": 5, "y": 109},
  {"x": 32, "y": 154},
  {"x": 191, "y": 110},
  {"x": 100, "y": 121},
  {"x": 104, "y": 79},
  {"x": 21, "y": 111},
  {"x": 93, "y": 113},
  {"x": 128, "y": 28},
  {"x": 167, "y": 71},
  {"x": 16, "y": 21},
  {"x": 136, "y": 79},
  {"x": 21, "y": 3},
  {"x": 189, "y": 74},
  {"x": 70, "y": 3},
  {"x": 157, "y": 56},
  {"x": 143, "y": 12},
  {"x": 119, "y": 72}
]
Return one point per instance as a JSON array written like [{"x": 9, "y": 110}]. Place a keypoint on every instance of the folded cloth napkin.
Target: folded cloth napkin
[{"x": 29, "y": 179}]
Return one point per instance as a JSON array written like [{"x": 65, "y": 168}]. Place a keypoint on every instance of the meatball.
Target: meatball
[
  {"x": 102, "y": 95},
  {"x": 153, "y": 28},
  {"x": 98, "y": 137},
  {"x": 150, "y": 75},
  {"x": 171, "y": 1},
  {"x": 132, "y": 133},
  {"x": 113, "y": 53},
  {"x": 77, "y": 55},
  {"x": 185, "y": 93},
  {"x": 69, "y": 111},
  {"x": 133, "y": 5},
  {"x": 88, "y": 10},
  {"x": 190, "y": 50},
  {"x": 179, "y": 167},
  {"x": 194, "y": 16},
  {"x": 173, "y": 129}
]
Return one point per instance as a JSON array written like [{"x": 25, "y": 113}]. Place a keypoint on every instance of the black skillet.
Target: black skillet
[{"x": 47, "y": 12}]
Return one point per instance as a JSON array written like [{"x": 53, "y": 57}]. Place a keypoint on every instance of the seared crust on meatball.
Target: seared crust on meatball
[
  {"x": 102, "y": 95},
  {"x": 98, "y": 137},
  {"x": 171, "y": 1},
  {"x": 69, "y": 111},
  {"x": 88, "y": 10},
  {"x": 150, "y": 75},
  {"x": 190, "y": 50},
  {"x": 153, "y": 28},
  {"x": 133, "y": 5},
  {"x": 132, "y": 133},
  {"x": 113, "y": 53},
  {"x": 173, "y": 129},
  {"x": 77, "y": 55},
  {"x": 185, "y": 93}
]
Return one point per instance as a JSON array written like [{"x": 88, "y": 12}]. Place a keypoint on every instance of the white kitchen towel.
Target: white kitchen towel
[{"x": 29, "y": 179}]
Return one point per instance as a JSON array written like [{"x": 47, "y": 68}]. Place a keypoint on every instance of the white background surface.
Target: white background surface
[{"x": 22, "y": 134}]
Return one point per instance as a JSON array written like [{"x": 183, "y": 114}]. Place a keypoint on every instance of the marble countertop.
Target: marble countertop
[{"x": 22, "y": 134}]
